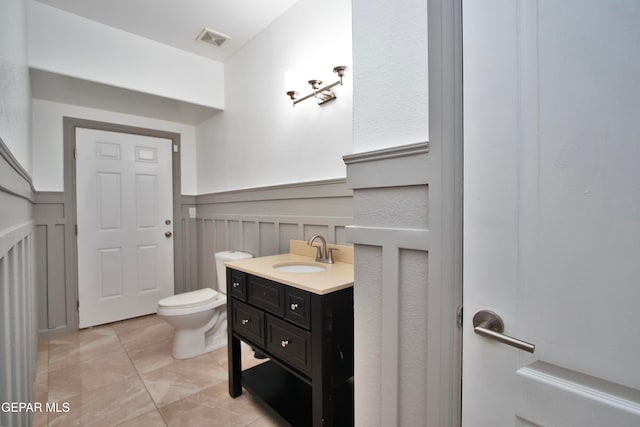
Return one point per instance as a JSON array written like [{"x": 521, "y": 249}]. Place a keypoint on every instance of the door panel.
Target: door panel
[
  {"x": 552, "y": 211},
  {"x": 147, "y": 267},
  {"x": 110, "y": 271},
  {"x": 146, "y": 200},
  {"x": 124, "y": 197},
  {"x": 109, "y": 198}
]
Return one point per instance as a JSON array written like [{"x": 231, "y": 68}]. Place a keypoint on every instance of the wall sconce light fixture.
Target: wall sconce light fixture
[{"x": 321, "y": 93}]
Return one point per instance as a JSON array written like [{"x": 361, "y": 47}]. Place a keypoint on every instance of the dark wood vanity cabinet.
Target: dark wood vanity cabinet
[{"x": 308, "y": 339}]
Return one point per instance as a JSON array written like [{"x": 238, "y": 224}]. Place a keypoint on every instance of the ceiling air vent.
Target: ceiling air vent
[{"x": 213, "y": 37}]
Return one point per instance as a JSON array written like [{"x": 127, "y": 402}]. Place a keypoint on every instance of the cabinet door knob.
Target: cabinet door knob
[
  {"x": 284, "y": 343},
  {"x": 245, "y": 321},
  {"x": 236, "y": 284},
  {"x": 294, "y": 306}
]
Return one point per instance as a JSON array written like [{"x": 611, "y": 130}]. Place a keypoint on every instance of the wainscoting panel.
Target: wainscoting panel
[
  {"x": 50, "y": 262},
  {"x": 53, "y": 268},
  {"x": 18, "y": 340},
  {"x": 18, "y": 307},
  {"x": 405, "y": 295},
  {"x": 262, "y": 221}
]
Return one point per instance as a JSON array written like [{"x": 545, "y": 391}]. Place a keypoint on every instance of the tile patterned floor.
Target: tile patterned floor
[{"x": 123, "y": 374}]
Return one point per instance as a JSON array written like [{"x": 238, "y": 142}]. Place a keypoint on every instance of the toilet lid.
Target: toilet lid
[{"x": 189, "y": 299}]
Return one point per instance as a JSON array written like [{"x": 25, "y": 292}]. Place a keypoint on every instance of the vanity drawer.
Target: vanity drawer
[
  {"x": 297, "y": 306},
  {"x": 248, "y": 322},
  {"x": 265, "y": 294},
  {"x": 289, "y": 343},
  {"x": 237, "y": 284}
]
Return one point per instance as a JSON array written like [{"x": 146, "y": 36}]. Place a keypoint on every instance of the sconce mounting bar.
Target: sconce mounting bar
[{"x": 322, "y": 94}]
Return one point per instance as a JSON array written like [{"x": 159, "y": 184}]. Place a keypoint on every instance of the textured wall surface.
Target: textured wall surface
[
  {"x": 14, "y": 81},
  {"x": 390, "y": 94},
  {"x": 260, "y": 139}
]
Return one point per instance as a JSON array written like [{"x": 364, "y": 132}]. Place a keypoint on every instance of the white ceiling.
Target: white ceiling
[{"x": 177, "y": 23}]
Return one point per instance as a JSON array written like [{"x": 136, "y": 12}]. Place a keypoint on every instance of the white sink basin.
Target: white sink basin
[{"x": 299, "y": 268}]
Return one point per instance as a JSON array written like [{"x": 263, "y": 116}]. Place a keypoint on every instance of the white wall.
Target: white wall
[
  {"x": 48, "y": 141},
  {"x": 260, "y": 139},
  {"x": 71, "y": 45},
  {"x": 390, "y": 98},
  {"x": 14, "y": 81}
]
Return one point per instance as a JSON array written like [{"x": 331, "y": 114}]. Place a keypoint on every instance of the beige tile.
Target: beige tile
[
  {"x": 182, "y": 378},
  {"x": 136, "y": 323},
  {"x": 107, "y": 406},
  {"x": 43, "y": 344},
  {"x": 109, "y": 368},
  {"x": 40, "y": 419},
  {"x": 136, "y": 333},
  {"x": 241, "y": 410},
  {"x": 150, "y": 419},
  {"x": 41, "y": 393},
  {"x": 97, "y": 372},
  {"x": 218, "y": 396},
  {"x": 70, "y": 350},
  {"x": 185, "y": 413},
  {"x": 266, "y": 421},
  {"x": 42, "y": 361},
  {"x": 152, "y": 355}
]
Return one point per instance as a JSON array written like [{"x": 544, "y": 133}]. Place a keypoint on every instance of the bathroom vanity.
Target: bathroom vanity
[{"x": 303, "y": 323}]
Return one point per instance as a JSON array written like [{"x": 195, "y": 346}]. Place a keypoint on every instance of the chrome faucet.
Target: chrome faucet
[{"x": 322, "y": 253}]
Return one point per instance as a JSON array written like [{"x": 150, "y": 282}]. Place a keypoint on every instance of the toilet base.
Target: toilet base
[{"x": 188, "y": 343}]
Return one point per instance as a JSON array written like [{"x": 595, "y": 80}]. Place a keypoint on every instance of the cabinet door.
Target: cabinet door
[{"x": 289, "y": 343}]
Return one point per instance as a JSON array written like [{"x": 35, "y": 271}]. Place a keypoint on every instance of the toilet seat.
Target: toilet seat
[{"x": 190, "y": 302}]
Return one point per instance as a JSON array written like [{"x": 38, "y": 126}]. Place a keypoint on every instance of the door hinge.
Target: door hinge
[
  {"x": 76, "y": 229},
  {"x": 75, "y": 153},
  {"x": 459, "y": 316},
  {"x": 175, "y": 148},
  {"x": 78, "y": 305}
]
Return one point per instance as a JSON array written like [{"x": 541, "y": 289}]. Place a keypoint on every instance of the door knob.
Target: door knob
[
  {"x": 490, "y": 325},
  {"x": 168, "y": 234}
]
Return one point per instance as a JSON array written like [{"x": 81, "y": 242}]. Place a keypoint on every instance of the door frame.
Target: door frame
[
  {"x": 445, "y": 56},
  {"x": 70, "y": 124}
]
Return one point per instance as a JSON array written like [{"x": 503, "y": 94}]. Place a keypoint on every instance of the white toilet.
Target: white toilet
[{"x": 200, "y": 317}]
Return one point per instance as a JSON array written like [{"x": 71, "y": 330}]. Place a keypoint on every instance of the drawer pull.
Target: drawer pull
[
  {"x": 284, "y": 343},
  {"x": 294, "y": 306},
  {"x": 236, "y": 284},
  {"x": 245, "y": 321}
]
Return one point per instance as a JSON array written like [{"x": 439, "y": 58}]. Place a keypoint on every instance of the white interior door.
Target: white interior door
[
  {"x": 552, "y": 211},
  {"x": 124, "y": 214}
]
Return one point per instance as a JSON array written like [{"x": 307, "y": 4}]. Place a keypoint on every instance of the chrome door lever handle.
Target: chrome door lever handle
[{"x": 490, "y": 325}]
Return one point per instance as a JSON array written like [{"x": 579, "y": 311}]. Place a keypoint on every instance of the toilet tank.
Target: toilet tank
[{"x": 221, "y": 258}]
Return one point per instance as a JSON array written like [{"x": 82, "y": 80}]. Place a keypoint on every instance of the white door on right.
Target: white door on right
[{"x": 552, "y": 211}]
